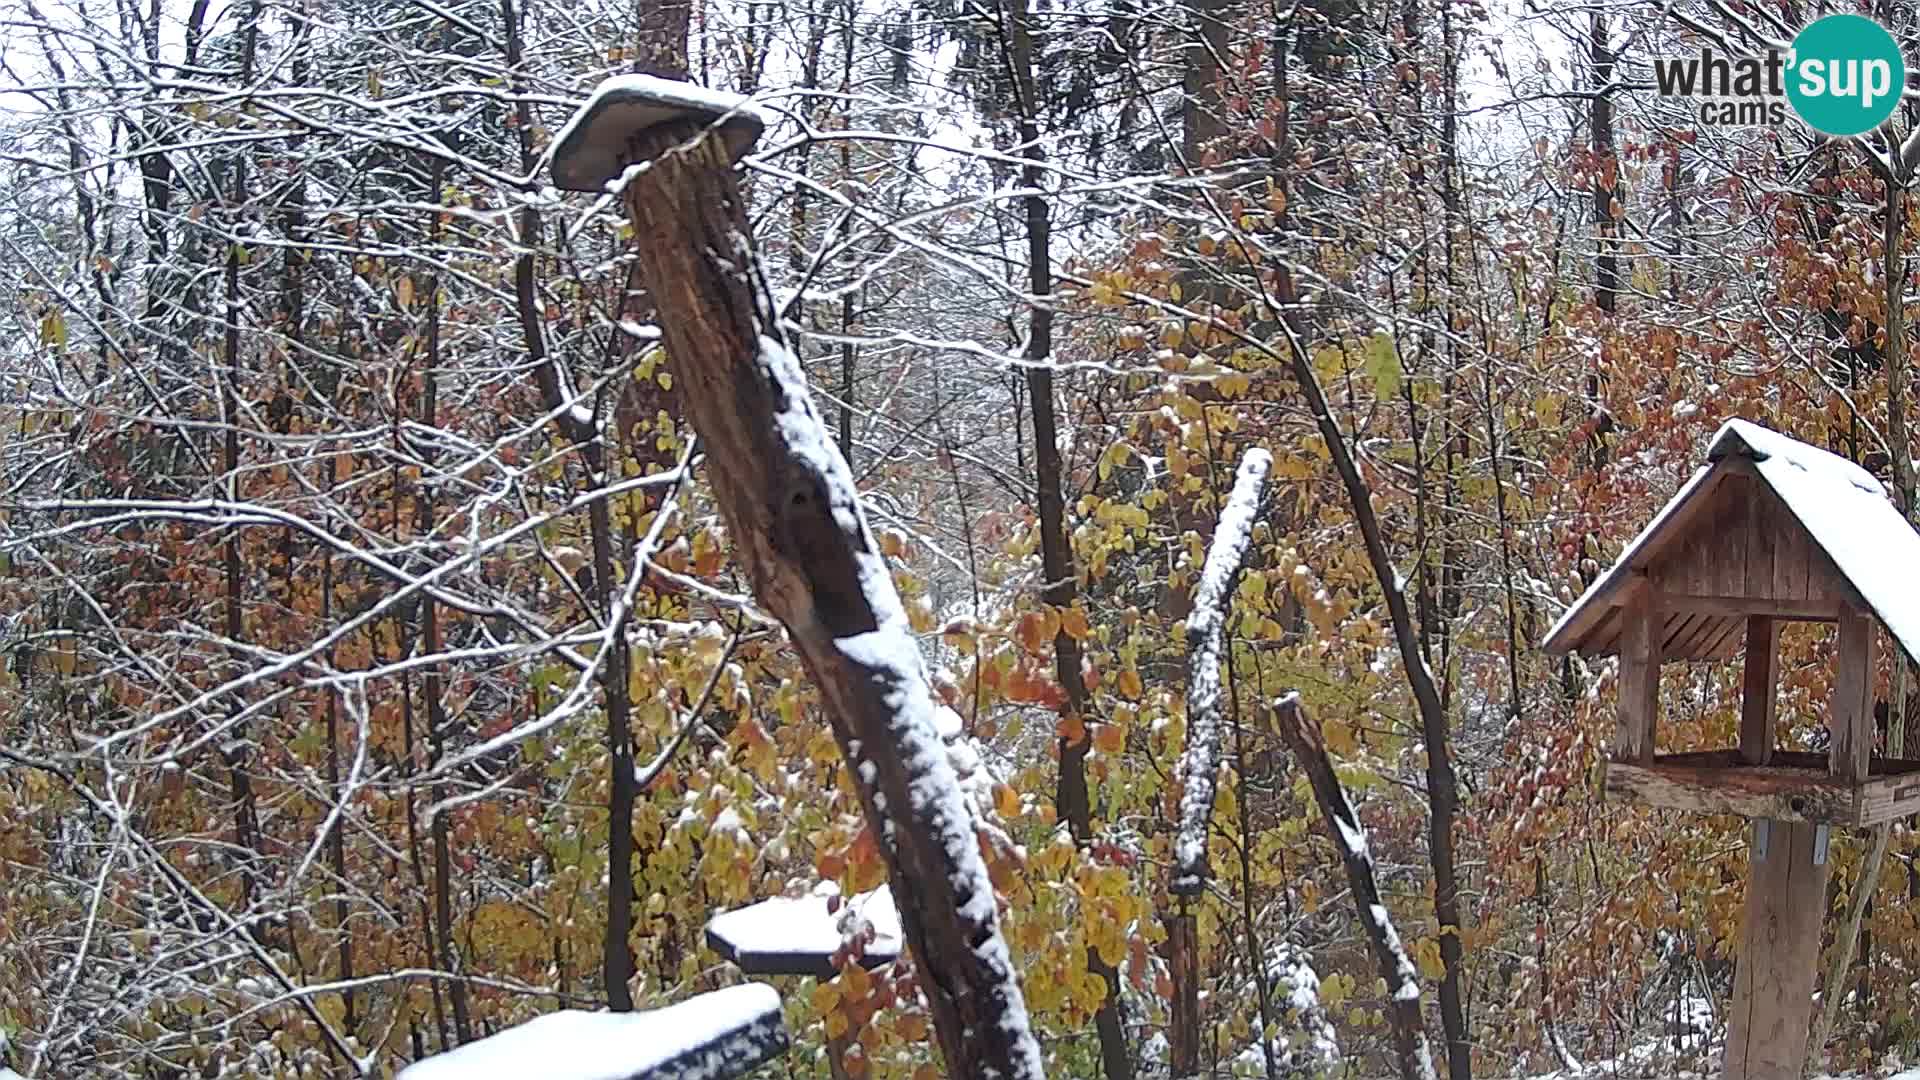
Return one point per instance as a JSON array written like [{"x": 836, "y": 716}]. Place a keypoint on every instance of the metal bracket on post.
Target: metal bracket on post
[
  {"x": 1760, "y": 830},
  {"x": 1820, "y": 837}
]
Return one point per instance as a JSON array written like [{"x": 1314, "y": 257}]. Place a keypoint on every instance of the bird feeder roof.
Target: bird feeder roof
[
  {"x": 592, "y": 150},
  {"x": 1769, "y": 526}
]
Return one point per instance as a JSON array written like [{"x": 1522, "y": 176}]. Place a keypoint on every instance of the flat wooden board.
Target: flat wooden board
[{"x": 1794, "y": 787}]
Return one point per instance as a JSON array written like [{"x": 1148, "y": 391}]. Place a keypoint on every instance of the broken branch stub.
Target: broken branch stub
[
  {"x": 798, "y": 530},
  {"x": 1302, "y": 735}
]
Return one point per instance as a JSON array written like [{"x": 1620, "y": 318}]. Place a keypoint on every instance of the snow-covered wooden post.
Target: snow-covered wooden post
[
  {"x": 802, "y": 935},
  {"x": 1771, "y": 530},
  {"x": 798, "y": 530},
  {"x": 713, "y": 1036}
]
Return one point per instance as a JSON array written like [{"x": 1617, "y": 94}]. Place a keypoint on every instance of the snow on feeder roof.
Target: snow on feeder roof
[
  {"x": 1769, "y": 526},
  {"x": 799, "y": 935},
  {"x": 592, "y": 150},
  {"x": 713, "y": 1036}
]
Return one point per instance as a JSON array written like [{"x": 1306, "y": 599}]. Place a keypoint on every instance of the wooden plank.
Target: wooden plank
[
  {"x": 1889, "y": 798},
  {"x": 1758, "y": 695},
  {"x": 1703, "y": 544},
  {"x": 1772, "y": 1009},
  {"x": 1639, "y": 673},
  {"x": 1728, "y": 533},
  {"x": 1730, "y": 642},
  {"x": 1760, "y": 540},
  {"x": 1699, "y": 643},
  {"x": 1891, "y": 768},
  {"x": 1748, "y": 791},
  {"x": 1740, "y": 607},
  {"x": 1850, "y": 717},
  {"x": 1789, "y": 557},
  {"x": 1673, "y": 632}
]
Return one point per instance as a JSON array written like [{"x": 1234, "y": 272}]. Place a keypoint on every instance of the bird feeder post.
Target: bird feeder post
[{"x": 1770, "y": 531}]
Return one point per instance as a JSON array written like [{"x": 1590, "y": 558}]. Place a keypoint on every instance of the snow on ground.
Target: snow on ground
[{"x": 710, "y": 1037}]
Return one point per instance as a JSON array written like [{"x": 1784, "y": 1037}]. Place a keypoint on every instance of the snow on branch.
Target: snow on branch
[{"x": 1205, "y": 631}]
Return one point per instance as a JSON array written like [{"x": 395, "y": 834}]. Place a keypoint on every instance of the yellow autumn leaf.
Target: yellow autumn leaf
[
  {"x": 1074, "y": 622},
  {"x": 1130, "y": 686},
  {"x": 825, "y": 996},
  {"x": 1339, "y": 737},
  {"x": 1109, "y": 739},
  {"x": 1006, "y": 801},
  {"x": 1426, "y": 955}
]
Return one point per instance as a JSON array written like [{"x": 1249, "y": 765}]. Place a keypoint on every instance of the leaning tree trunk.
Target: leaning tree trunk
[
  {"x": 1302, "y": 735},
  {"x": 794, "y": 515}
]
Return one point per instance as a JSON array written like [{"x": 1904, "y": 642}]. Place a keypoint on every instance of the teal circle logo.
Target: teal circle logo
[{"x": 1845, "y": 75}]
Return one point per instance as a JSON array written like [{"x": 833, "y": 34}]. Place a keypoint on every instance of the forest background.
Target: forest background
[{"x": 353, "y": 546}]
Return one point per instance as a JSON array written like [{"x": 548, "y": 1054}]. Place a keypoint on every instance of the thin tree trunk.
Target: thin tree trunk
[
  {"x": 1072, "y": 800},
  {"x": 434, "y": 681},
  {"x": 616, "y": 956},
  {"x": 1894, "y": 276},
  {"x": 1442, "y": 789},
  {"x": 236, "y": 748}
]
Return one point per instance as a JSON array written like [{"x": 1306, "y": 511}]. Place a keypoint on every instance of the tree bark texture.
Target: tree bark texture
[
  {"x": 794, "y": 516},
  {"x": 1302, "y": 735}
]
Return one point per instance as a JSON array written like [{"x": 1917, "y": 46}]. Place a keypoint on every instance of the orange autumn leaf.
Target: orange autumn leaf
[
  {"x": 1031, "y": 633},
  {"x": 1071, "y": 729},
  {"x": 1074, "y": 621}
]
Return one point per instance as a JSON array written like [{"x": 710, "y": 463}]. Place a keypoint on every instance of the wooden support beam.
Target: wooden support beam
[
  {"x": 1772, "y": 1007},
  {"x": 1741, "y": 606},
  {"x": 1639, "y": 671},
  {"x": 1850, "y": 718},
  {"x": 1758, "y": 696},
  {"x": 1792, "y": 786}
]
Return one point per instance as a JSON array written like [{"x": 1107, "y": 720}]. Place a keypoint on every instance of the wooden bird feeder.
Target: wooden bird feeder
[{"x": 1770, "y": 531}]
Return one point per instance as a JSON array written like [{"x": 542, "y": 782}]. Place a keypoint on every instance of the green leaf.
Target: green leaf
[{"x": 1383, "y": 364}]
